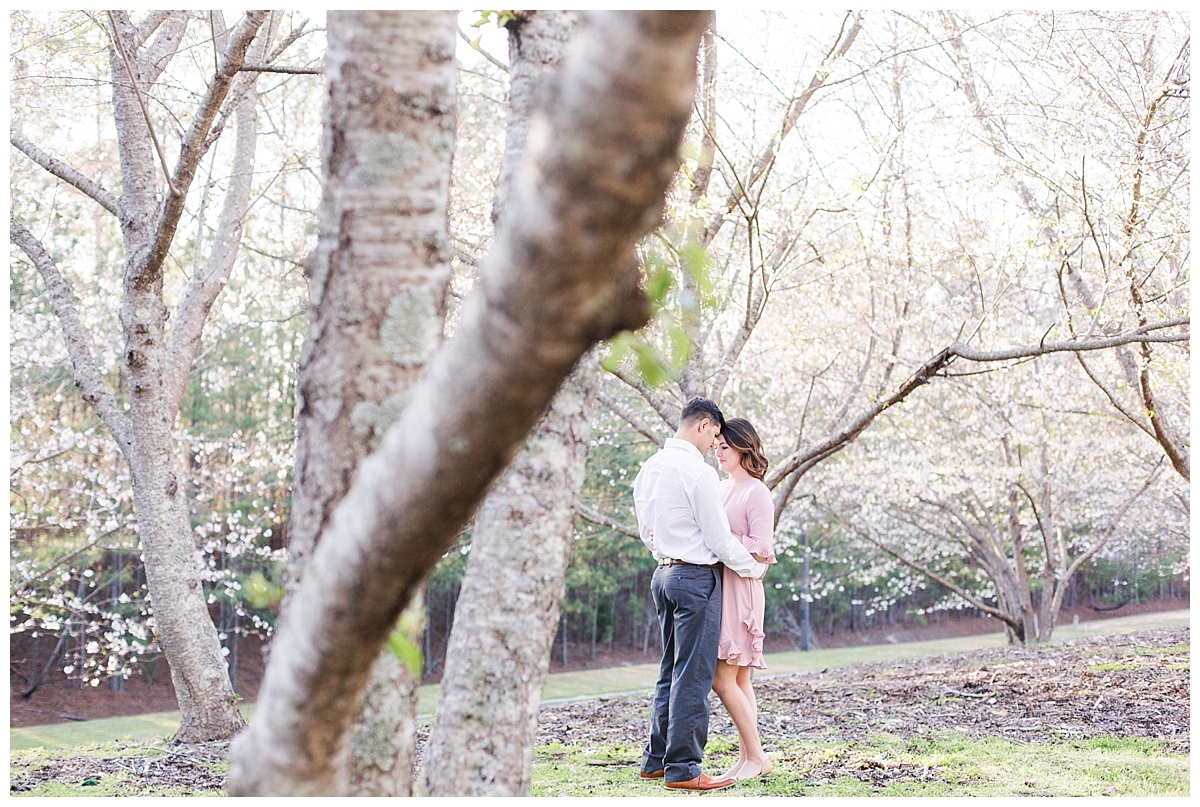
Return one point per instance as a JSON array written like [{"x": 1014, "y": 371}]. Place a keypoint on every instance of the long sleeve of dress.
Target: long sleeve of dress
[{"x": 761, "y": 515}]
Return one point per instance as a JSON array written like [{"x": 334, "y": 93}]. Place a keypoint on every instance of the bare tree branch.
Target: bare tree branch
[
  {"x": 623, "y": 412},
  {"x": 195, "y": 142},
  {"x": 158, "y": 54},
  {"x": 66, "y": 173},
  {"x": 120, "y": 34},
  {"x": 596, "y": 517},
  {"x": 87, "y": 377},
  {"x": 496, "y": 62},
  {"x": 666, "y": 410},
  {"x": 935, "y": 365},
  {"x": 207, "y": 282},
  {"x": 1141, "y": 335},
  {"x": 149, "y": 26},
  {"x": 943, "y": 581},
  {"x": 293, "y": 71},
  {"x": 851, "y": 26}
]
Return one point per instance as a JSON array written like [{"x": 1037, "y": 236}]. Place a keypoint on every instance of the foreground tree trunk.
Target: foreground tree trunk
[
  {"x": 379, "y": 277},
  {"x": 481, "y": 743},
  {"x": 156, "y": 363},
  {"x": 562, "y": 276}
]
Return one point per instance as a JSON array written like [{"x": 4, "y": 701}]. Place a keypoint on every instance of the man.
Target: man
[{"x": 682, "y": 521}]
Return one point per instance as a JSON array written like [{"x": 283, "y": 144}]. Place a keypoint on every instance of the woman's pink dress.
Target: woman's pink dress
[{"x": 751, "y": 515}]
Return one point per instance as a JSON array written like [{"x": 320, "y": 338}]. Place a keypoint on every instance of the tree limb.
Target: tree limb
[
  {"x": 596, "y": 517},
  {"x": 606, "y": 142},
  {"x": 87, "y": 376},
  {"x": 207, "y": 282},
  {"x": 66, "y": 173},
  {"x": 944, "y": 581},
  {"x": 666, "y": 410},
  {"x": 935, "y": 365},
  {"x": 194, "y": 144},
  {"x": 851, "y": 26},
  {"x": 623, "y": 412}
]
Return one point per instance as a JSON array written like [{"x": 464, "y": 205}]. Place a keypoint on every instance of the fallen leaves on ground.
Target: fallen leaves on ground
[{"x": 1126, "y": 685}]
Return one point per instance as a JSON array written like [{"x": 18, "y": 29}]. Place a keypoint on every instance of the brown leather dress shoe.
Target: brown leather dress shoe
[
  {"x": 701, "y": 782},
  {"x": 658, "y": 774}
]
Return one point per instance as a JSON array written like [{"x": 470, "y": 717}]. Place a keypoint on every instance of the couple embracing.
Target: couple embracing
[{"x": 712, "y": 541}]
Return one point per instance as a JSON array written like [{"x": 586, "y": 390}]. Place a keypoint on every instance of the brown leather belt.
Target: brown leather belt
[{"x": 674, "y": 562}]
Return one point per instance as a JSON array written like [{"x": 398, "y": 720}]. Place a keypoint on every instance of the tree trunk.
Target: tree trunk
[
  {"x": 481, "y": 743},
  {"x": 186, "y": 631},
  {"x": 378, "y": 284},
  {"x": 561, "y": 276},
  {"x": 482, "y": 739}
]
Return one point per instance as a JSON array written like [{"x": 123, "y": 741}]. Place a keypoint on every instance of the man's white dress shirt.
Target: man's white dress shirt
[{"x": 678, "y": 499}]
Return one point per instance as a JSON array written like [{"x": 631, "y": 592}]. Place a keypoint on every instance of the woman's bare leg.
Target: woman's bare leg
[
  {"x": 753, "y": 764},
  {"x": 750, "y": 752}
]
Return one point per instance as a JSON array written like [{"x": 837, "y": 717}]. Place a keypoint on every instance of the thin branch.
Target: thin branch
[
  {"x": 1127, "y": 413},
  {"x": 292, "y": 71},
  {"x": 943, "y": 581},
  {"x": 463, "y": 36},
  {"x": 796, "y": 107},
  {"x": 119, "y": 46},
  {"x": 668, "y": 411},
  {"x": 66, "y": 173},
  {"x": 622, "y": 411},
  {"x": 195, "y": 141},
  {"x": 206, "y": 284},
  {"x": 596, "y": 517},
  {"x": 936, "y": 366},
  {"x": 1139, "y": 335},
  {"x": 87, "y": 376},
  {"x": 1112, "y": 528}
]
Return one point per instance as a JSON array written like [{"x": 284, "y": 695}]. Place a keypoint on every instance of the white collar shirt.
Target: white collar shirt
[{"x": 679, "y": 511}]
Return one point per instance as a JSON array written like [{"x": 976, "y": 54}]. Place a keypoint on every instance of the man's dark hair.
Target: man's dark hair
[{"x": 699, "y": 408}]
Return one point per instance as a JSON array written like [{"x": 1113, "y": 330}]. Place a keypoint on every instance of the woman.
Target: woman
[{"x": 751, "y": 515}]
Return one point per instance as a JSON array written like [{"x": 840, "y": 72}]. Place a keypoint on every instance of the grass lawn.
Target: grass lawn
[
  {"x": 942, "y": 765},
  {"x": 602, "y": 681}
]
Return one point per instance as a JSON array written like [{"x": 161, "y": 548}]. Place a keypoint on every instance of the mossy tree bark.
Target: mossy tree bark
[
  {"x": 562, "y": 276},
  {"x": 378, "y": 286},
  {"x": 481, "y": 743}
]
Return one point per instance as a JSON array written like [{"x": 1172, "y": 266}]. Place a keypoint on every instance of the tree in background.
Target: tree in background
[
  {"x": 907, "y": 267},
  {"x": 481, "y": 741},
  {"x": 155, "y": 360}
]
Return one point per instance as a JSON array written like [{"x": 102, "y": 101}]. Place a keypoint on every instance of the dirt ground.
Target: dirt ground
[
  {"x": 1121, "y": 685},
  {"x": 58, "y": 700}
]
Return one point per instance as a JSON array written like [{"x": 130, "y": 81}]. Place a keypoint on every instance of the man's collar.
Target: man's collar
[{"x": 675, "y": 442}]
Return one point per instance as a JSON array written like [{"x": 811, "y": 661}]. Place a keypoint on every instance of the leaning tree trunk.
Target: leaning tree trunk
[
  {"x": 378, "y": 285},
  {"x": 561, "y": 276},
  {"x": 481, "y": 743}
]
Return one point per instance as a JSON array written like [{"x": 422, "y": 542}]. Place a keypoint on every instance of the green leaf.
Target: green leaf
[
  {"x": 261, "y": 592},
  {"x": 681, "y": 343},
  {"x": 658, "y": 282},
  {"x": 695, "y": 260},
  {"x": 408, "y": 653},
  {"x": 618, "y": 346},
  {"x": 649, "y": 364}
]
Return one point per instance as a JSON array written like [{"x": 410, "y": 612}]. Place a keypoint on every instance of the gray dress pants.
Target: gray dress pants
[{"x": 688, "y": 601}]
